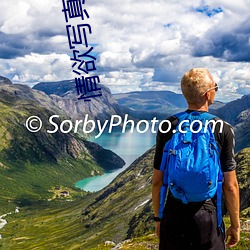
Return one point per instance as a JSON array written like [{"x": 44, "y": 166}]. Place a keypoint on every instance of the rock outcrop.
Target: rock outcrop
[{"x": 64, "y": 95}]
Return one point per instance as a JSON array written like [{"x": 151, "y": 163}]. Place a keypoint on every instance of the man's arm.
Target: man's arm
[
  {"x": 231, "y": 195},
  {"x": 156, "y": 187}
]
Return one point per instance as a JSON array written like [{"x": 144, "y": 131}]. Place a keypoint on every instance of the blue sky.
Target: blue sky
[{"x": 141, "y": 45}]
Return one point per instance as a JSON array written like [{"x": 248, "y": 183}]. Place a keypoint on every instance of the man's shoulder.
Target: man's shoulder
[
  {"x": 172, "y": 119},
  {"x": 227, "y": 127}
]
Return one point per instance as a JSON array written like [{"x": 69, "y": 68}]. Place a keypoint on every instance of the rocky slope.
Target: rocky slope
[
  {"x": 4, "y": 80},
  {"x": 242, "y": 130},
  {"x": 237, "y": 114},
  {"x": 232, "y": 110},
  {"x": 31, "y": 163},
  {"x": 64, "y": 94}
]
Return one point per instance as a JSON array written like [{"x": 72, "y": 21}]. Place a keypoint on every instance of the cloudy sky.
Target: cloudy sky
[{"x": 140, "y": 44}]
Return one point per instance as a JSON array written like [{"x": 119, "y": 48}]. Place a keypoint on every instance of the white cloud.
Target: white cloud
[
  {"x": 130, "y": 81},
  {"x": 18, "y": 19},
  {"x": 141, "y": 44},
  {"x": 35, "y": 68},
  {"x": 115, "y": 60},
  {"x": 29, "y": 15}
]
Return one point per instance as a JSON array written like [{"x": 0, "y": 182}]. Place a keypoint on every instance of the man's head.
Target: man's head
[{"x": 197, "y": 86}]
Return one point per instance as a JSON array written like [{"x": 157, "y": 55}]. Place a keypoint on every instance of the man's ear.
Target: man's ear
[{"x": 207, "y": 95}]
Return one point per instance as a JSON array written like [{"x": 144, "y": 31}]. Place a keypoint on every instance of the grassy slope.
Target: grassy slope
[
  {"x": 31, "y": 164},
  {"x": 150, "y": 242},
  {"x": 60, "y": 225},
  {"x": 243, "y": 176},
  {"x": 54, "y": 225}
]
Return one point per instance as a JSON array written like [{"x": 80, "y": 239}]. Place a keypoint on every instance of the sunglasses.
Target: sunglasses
[{"x": 216, "y": 87}]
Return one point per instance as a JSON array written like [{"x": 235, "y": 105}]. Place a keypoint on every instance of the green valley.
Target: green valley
[
  {"x": 120, "y": 213},
  {"x": 32, "y": 163}
]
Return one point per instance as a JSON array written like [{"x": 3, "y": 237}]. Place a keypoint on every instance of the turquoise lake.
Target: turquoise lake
[{"x": 129, "y": 146}]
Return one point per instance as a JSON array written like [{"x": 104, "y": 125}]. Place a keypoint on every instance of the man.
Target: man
[{"x": 194, "y": 225}]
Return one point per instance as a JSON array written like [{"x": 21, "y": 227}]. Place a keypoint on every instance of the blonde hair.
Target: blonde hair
[{"x": 195, "y": 83}]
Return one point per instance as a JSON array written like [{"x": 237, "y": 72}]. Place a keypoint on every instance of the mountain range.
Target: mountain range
[
  {"x": 144, "y": 105},
  {"x": 63, "y": 93},
  {"x": 149, "y": 104},
  {"x": 237, "y": 113},
  {"x": 33, "y": 166}
]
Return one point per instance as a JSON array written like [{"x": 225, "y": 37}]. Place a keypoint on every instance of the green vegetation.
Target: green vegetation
[
  {"x": 244, "y": 235},
  {"x": 121, "y": 211},
  {"x": 32, "y": 183},
  {"x": 57, "y": 225},
  {"x": 38, "y": 172},
  {"x": 150, "y": 242},
  {"x": 113, "y": 214},
  {"x": 49, "y": 225},
  {"x": 243, "y": 175},
  {"x": 32, "y": 163},
  {"x": 84, "y": 222}
]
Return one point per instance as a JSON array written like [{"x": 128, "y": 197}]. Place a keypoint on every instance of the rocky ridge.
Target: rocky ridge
[{"x": 63, "y": 94}]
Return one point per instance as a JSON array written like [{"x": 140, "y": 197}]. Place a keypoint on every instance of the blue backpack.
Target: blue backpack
[{"x": 191, "y": 162}]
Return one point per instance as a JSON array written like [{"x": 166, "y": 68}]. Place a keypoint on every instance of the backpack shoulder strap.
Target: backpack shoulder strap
[
  {"x": 182, "y": 115},
  {"x": 208, "y": 116}
]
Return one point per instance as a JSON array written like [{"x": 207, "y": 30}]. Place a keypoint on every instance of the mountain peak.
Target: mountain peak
[{"x": 4, "y": 80}]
